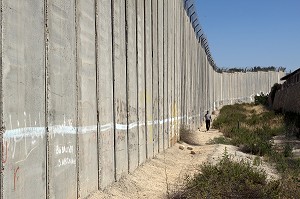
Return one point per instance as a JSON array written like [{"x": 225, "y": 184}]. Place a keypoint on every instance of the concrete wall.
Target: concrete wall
[{"x": 92, "y": 89}]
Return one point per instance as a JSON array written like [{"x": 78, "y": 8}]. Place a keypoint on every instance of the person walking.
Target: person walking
[{"x": 207, "y": 120}]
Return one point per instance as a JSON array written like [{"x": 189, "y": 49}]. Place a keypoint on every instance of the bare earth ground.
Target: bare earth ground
[{"x": 158, "y": 176}]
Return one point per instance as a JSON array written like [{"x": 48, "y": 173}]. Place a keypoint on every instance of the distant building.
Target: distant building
[
  {"x": 287, "y": 99},
  {"x": 291, "y": 79}
]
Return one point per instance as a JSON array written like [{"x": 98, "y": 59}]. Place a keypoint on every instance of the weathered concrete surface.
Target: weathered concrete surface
[
  {"x": 23, "y": 90},
  {"x": 155, "y": 76},
  {"x": 165, "y": 78},
  {"x": 106, "y": 140},
  {"x": 170, "y": 66},
  {"x": 120, "y": 85},
  {"x": 61, "y": 99},
  {"x": 160, "y": 62},
  {"x": 141, "y": 80},
  {"x": 177, "y": 64},
  {"x": 87, "y": 99},
  {"x": 131, "y": 63},
  {"x": 148, "y": 78}
]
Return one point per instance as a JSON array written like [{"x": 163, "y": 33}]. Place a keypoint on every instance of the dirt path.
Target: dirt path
[
  {"x": 150, "y": 180},
  {"x": 162, "y": 174}
]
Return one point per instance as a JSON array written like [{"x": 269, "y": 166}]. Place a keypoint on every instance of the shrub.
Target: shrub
[
  {"x": 261, "y": 99},
  {"x": 292, "y": 121},
  {"x": 256, "y": 143},
  {"x": 248, "y": 129},
  {"x": 253, "y": 120},
  {"x": 228, "y": 179},
  {"x": 274, "y": 89},
  {"x": 288, "y": 150},
  {"x": 220, "y": 140},
  {"x": 230, "y": 115}
]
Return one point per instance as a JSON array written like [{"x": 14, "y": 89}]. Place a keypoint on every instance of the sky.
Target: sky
[{"x": 248, "y": 33}]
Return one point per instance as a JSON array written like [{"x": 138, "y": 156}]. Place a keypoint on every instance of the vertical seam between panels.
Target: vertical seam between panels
[
  {"x": 127, "y": 83},
  {"x": 152, "y": 84},
  {"x": 97, "y": 90},
  {"x": 113, "y": 78},
  {"x": 76, "y": 21},
  {"x": 158, "y": 64},
  {"x": 137, "y": 80},
  {"x": 47, "y": 81},
  {"x": 2, "y": 129},
  {"x": 145, "y": 82}
]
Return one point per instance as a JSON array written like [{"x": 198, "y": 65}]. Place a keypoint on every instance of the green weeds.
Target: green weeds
[
  {"x": 261, "y": 99},
  {"x": 229, "y": 179},
  {"x": 249, "y": 130},
  {"x": 220, "y": 140}
]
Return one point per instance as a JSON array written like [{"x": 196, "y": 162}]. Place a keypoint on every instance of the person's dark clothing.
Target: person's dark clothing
[
  {"x": 207, "y": 121},
  {"x": 207, "y": 124}
]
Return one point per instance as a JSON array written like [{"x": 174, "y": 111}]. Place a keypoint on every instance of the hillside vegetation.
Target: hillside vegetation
[{"x": 252, "y": 128}]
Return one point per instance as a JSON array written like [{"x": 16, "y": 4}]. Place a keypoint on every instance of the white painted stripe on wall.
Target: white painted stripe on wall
[{"x": 62, "y": 129}]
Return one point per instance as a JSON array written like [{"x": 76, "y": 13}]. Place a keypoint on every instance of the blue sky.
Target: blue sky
[{"x": 247, "y": 33}]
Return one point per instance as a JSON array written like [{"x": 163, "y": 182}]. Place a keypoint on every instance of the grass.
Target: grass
[
  {"x": 220, "y": 140},
  {"x": 251, "y": 128},
  {"x": 292, "y": 121}
]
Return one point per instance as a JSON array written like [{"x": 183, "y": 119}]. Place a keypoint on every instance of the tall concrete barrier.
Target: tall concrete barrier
[{"x": 91, "y": 89}]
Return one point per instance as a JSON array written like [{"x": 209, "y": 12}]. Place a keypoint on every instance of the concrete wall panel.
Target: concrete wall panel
[
  {"x": 148, "y": 77},
  {"x": 160, "y": 58},
  {"x": 133, "y": 139},
  {"x": 192, "y": 114},
  {"x": 87, "y": 99},
  {"x": 165, "y": 71},
  {"x": 171, "y": 69},
  {"x": 197, "y": 93},
  {"x": 184, "y": 71},
  {"x": 62, "y": 97},
  {"x": 176, "y": 66},
  {"x": 155, "y": 77},
  {"x": 189, "y": 78},
  {"x": 180, "y": 65},
  {"x": 105, "y": 94},
  {"x": 120, "y": 102},
  {"x": 141, "y": 80},
  {"x": 23, "y": 79}
]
